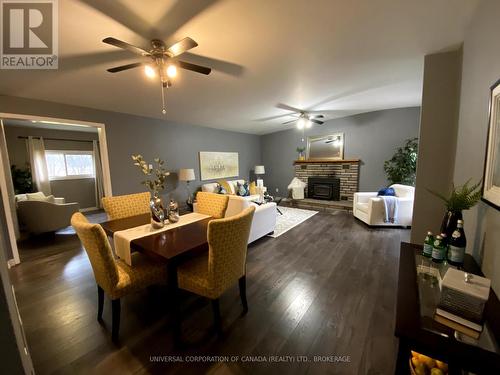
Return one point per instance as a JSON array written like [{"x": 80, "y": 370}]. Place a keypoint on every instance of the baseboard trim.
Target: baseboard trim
[{"x": 11, "y": 263}]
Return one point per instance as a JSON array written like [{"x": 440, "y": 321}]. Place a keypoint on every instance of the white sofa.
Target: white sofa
[
  {"x": 264, "y": 218},
  {"x": 369, "y": 208},
  {"x": 40, "y": 214}
]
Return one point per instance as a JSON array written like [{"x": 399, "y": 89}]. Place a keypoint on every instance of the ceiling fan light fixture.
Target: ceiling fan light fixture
[
  {"x": 301, "y": 123},
  {"x": 149, "y": 71},
  {"x": 171, "y": 71},
  {"x": 308, "y": 123}
]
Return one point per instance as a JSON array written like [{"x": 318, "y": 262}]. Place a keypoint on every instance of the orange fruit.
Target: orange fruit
[{"x": 442, "y": 366}]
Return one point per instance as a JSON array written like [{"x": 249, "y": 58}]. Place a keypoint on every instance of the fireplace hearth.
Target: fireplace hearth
[{"x": 325, "y": 188}]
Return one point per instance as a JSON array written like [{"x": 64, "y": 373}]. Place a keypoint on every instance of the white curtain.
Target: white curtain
[
  {"x": 99, "y": 187},
  {"x": 39, "y": 171}
]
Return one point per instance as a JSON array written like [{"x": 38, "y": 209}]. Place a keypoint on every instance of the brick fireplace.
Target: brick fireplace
[{"x": 346, "y": 171}]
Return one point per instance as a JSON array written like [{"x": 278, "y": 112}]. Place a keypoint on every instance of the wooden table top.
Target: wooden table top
[{"x": 166, "y": 244}]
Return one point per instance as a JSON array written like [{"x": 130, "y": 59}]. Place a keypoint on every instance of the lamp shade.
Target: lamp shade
[
  {"x": 259, "y": 169},
  {"x": 186, "y": 175}
]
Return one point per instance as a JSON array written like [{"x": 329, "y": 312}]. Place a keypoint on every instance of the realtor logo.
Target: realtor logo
[{"x": 29, "y": 34}]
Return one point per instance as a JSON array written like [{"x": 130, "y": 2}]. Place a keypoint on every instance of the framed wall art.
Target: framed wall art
[{"x": 214, "y": 165}]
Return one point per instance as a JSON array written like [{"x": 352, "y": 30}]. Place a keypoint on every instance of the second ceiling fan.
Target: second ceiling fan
[{"x": 304, "y": 119}]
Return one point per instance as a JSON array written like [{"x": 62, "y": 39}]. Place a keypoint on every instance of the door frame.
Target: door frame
[{"x": 106, "y": 175}]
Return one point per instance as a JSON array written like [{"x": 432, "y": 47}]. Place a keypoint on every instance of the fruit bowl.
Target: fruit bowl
[{"x": 421, "y": 364}]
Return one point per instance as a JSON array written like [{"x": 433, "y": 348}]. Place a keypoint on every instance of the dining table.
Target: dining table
[{"x": 170, "y": 246}]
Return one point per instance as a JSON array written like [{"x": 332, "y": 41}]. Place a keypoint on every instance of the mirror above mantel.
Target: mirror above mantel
[{"x": 325, "y": 147}]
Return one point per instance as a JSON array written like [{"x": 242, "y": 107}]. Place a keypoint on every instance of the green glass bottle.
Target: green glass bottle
[
  {"x": 458, "y": 242},
  {"x": 439, "y": 249},
  {"x": 428, "y": 245}
]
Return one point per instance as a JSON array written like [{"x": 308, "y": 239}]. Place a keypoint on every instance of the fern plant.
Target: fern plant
[
  {"x": 462, "y": 197},
  {"x": 402, "y": 167}
]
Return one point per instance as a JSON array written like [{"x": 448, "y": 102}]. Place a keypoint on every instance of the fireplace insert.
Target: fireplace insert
[{"x": 326, "y": 188}]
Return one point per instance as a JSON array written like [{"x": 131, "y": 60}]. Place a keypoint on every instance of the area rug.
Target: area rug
[{"x": 291, "y": 218}]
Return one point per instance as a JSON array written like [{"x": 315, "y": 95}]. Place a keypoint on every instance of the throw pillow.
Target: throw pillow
[
  {"x": 226, "y": 186},
  {"x": 242, "y": 189},
  {"x": 50, "y": 199},
  {"x": 252, "y": 188},
  {"x": 387, "y": 192},
  {"x": 220, "y": 189},
  {"x": 36, "y": 196}
]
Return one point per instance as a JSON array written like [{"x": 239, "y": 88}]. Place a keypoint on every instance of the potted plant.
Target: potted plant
[
  {"x": 402, "y": 167},
  {"x": 21, "y": 179},
  {"x": 461, "y": 198},
  {"x": 301, "y": 150}
]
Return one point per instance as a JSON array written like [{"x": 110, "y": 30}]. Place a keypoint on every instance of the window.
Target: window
[{"x": 64, "y": 165}]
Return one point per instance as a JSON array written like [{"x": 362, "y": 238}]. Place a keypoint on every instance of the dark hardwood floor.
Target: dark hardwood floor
[{"x": 325, "y": 288}]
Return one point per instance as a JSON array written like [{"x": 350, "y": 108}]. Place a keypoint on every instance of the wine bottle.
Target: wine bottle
[{"x": 458, "y": 242}]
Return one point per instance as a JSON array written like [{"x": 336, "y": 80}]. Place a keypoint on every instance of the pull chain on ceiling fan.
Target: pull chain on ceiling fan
[{"x": 165, "y": 62}]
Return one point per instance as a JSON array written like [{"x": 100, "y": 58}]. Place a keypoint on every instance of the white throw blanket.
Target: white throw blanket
[
  {"x": 391, "y": 205},
  {"x": 123, "y": 238}
]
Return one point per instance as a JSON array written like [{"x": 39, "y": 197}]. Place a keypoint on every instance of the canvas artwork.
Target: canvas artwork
[{"x": 214, "y": 165}]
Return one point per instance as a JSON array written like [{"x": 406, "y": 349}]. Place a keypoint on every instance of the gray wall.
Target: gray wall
[
  {"x": 371, "y": 137},
  {"x": 177, "y": 144},
  {"x": 481, "y": 68},
  {"x": 438, "y": 134},
  {"x": 80, "y": 190}
]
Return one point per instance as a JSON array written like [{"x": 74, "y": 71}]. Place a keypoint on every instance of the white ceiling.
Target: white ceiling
[{"x": 351, "y": 56}]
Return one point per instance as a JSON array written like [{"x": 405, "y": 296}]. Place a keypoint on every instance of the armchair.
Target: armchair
[
  {"x": 370, "y": 209},
  {"x": 41, "y": 217}
]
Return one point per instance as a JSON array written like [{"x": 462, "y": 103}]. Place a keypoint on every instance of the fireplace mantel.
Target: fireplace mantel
[{"x": 326, "y": 161}]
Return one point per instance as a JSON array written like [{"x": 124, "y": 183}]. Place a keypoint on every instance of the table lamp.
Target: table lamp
[
  {"x": 259, "y": 170},
  {"x": 187, "y": 175}
]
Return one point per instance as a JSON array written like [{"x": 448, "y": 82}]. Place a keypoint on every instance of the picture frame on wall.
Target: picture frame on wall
[
  {"x": 326, "y": 147},
  {"x": 491, "y": 177},
  {"x": 214, "y": 165}
]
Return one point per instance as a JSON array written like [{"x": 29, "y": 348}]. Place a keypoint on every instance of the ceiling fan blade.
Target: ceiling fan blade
[
  {"x": 194, "y": 67},
  {"x": 121, "y": 68},
  {"x": 289, "y": 122},
  {"x": 222, "y": 66},
  {"x": 316, "y": 121},
  {"x": 129, "y": 47},
  {"x": 178, "y": 15},
  {"x": 317, "y": 116},
  {"x": 181, "y": 47},
  {"x": 288, "y": 108}
]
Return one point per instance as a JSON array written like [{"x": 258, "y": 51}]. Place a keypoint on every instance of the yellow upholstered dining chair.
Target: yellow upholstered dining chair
[
  {"x": 211, "y": 274},
  {"x": 121, "y": 206},
  {"x": 113, "y": 276},
  {"x": 211, "y": 204}
]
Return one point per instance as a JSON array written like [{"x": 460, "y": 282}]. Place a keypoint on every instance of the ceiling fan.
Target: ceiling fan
[
  {"x": 304, "y": 119},
  {"x": 164, "y": 60}
]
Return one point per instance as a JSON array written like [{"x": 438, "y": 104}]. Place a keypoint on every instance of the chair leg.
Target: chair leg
[
  {"x": 243, "y": 292},
  {"x": 217, "y": 318},
  {"x": 115, "y": 325},
  {"x": 100, "y": 302}
]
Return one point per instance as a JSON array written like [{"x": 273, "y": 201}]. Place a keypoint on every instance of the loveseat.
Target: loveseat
[
  {"x": 369, "y": 208},
  {"x": 38, "y": 213},
  {"x": 264, "y": 218}
]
